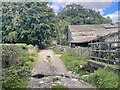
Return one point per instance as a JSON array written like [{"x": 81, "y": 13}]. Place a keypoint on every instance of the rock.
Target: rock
[
  {"x": 81, "y": 66},
  {"x": 57, "y": 76},
  {"x": 58, "y": 82},
  {"x": 53, "y": 84},
  {"x": 70, "y": 72},
  {"x": 64, "y": 84},
  {"x": 84, "y": 77},
  {"x": 63, "y": 77},
  {"x": 46, "y": 78},
  {"x": 41, "y": 82},
  {"x": 74, "y": 80}
]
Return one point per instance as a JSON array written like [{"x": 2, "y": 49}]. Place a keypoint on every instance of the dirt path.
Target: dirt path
[{"x": 48, "y": 68}]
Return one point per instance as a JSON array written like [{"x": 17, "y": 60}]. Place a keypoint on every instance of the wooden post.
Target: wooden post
[{"x": 109, "y": 53}]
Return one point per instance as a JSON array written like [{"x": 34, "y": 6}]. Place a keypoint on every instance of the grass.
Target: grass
[
  {"x": 101, "y": 78},
  {"x": 59, "y": 87},
  {"x": 57, "y": 51},
  {"x": 16, "y": 75},
  {"x": 104, "y": 78},
  {"x": 73, "y": 62}
]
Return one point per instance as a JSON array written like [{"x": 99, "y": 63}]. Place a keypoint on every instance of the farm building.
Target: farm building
[
  {"x": 106, "y": 50},
  {"x": 81, "y": 35}
]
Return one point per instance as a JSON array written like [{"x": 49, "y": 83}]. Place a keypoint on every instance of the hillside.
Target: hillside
[{"x": 77, "y": 14}]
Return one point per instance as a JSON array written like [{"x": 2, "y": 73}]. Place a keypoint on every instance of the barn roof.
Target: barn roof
[
  {"x": 84, "y": 40},
  {"x": 75, "y": 28},
  {"x": 110, "y": 25}
]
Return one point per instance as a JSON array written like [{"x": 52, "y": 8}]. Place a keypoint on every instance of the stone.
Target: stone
[
  {"x": 70, "y": 72},
  {"x": 41, "y": 82},
  {"x": 58, "y": 82},
  {"x": 84, "y": 77},
  {"x": 81, "y": 66},
  {"x": 74, "y": 80},
  {"x": 53, "y": 84}
]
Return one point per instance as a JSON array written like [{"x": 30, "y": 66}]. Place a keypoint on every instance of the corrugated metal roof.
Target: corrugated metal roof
[
  {"x": 82, "y": 37},
  {"x": 83, "y": 40},
  {"x": 75, "y": 28},
  {"x": 84, "y": 27},
  {"x": 110, "y": 25}
]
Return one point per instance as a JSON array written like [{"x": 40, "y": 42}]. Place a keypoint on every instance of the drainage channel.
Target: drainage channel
[{"x": 39, "y": 76}]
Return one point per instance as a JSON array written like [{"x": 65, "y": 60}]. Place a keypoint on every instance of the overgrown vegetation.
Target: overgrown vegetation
[
  {"x": 73, "y": 61},
  {"x": 104, "y": 78},
  {"x": 59, "y": 87},
  {"x": 101, "y": 78},
  {"x": 57, "y": 51},
  {"x": 17, "y": 61}
]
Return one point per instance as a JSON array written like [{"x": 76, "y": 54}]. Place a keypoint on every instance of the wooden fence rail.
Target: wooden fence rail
[{"x": 107, "y": 52}]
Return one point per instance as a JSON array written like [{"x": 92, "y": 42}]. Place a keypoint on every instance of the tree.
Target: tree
[
  {"x": 30, "y": 22},
  {"x": 77, "y": 15}
]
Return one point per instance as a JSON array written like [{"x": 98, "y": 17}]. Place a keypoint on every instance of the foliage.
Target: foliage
[
  {"x": 57, "y": 51},
  {"x": 76, "y": 14},
  {"x": 59, "y": 87},
  {"x": 17, "y": 61},
  {"x": 73, "y": 61},
  {"x": 62, "y": 26},
  {"x": 104, "y": 78},
  {"x": 28, "y": 22}
]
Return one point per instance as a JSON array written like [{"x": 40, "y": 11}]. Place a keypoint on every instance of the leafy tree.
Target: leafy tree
[
  {"x": 75, "y": 14},
  {"x": 62, "y": 30},
  {"x": 30, "y": 22}
]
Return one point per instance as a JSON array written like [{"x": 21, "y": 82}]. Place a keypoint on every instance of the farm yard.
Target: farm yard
[{"x": 75, "y": 48}]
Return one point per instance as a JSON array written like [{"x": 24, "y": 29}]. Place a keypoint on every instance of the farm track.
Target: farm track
[{"x": 46, "y": 70}]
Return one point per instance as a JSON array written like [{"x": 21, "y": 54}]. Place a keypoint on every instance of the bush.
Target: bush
[
  {"x": 17, "y": 61},
  {"x": 104, "y": 78}
]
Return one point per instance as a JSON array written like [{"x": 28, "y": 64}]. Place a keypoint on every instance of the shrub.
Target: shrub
[
  {"x": 104, "y": 78},
  {"x": 17, "y": 61}
]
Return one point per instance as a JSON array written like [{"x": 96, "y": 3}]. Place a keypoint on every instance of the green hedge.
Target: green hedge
[{"x": 17, "y": 61}]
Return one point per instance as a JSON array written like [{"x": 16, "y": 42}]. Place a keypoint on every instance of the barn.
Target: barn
[{"x": 81, "y": 35}]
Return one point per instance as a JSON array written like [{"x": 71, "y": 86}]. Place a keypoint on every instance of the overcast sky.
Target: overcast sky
[{"x": 106, "y": 7}]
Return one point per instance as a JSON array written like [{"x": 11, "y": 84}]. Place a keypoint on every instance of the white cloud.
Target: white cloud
[
  {"x": 100, "y": 10},
  {"x": 81, "y": 1},
  {"x": 57, "y": 6},
  {"x": 97, "y": 6},
  {"x": 114, "y": 16}
]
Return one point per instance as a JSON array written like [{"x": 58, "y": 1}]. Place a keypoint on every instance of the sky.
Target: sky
[{"x": 105, "y": 7}]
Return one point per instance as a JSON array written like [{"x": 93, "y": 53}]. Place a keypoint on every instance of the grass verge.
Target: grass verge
[{"x": 73, "y": 62}]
